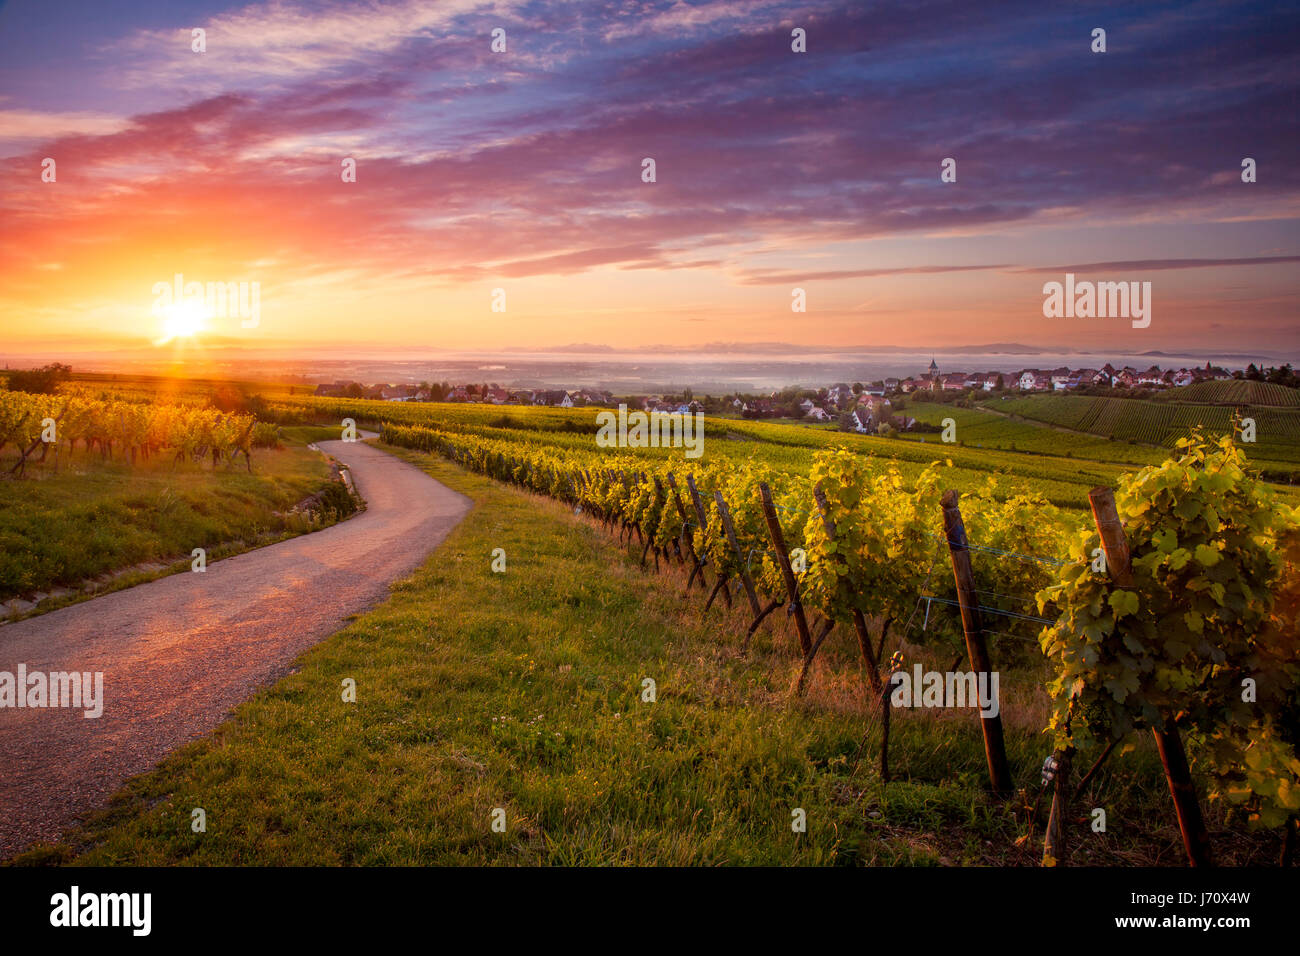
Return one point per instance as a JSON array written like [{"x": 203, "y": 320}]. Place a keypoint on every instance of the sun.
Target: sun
[{"x": 184, "y": 320}]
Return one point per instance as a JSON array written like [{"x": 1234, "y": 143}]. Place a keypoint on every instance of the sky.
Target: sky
[{"x": 522, "y": 171}]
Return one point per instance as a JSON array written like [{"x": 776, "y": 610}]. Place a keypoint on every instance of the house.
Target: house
[
  {"x": 1182, "y": 378},
  {"x": 873, "y": 403},
  {"x": 840, "y": 393},
  {"x": 458, "y": 394},
  {"x": 1126, "y": 377},
  {"x": 861, "y": 420},
  {"x": 555, "y": 397},
  {"x": 1105, "y": 376},
  {"x": 807, "y": 405},
  {"x": 1034, "y": 380},
  {"x": 892, "y": 384},
  {"x": 818, "y": 414},
  {"x": 952, "y": 382},
  {"x": 496, "y": 396},
  {"x": 1152, "y": 376}
]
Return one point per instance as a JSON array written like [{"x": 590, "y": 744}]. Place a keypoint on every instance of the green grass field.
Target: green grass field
[
  {"x": 985, "y": 428},
  {"x": 1160, "y": 423},
  {"x": 1040, "y": 465},
  {"x": 1234, "y": 392},
  {"x": 93, "y": 518},
  {"x": 522, "y": 691}
]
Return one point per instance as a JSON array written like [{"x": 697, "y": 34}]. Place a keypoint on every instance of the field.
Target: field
[
  {"x": 1063, "y": 481},
  {"x": 95, "y": 525},
  {"x": 1234, "y": 392},
  {"x": 520, "y": 688},
  {"x": 985, "y": 428},
  {"x": 1161, "y": 423},
  {"x": 522, "y": 691}
]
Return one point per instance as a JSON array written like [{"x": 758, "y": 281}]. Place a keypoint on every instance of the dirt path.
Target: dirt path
[{"x": 177, "y": 654}]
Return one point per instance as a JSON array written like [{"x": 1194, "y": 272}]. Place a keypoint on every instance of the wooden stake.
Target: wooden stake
[
  {"x": 1196, "y": 839},
  {"x": 1054, "y": 847},
  {"x": 725, "y": 514},
  {"x": 1114, "y": 543},
  {"x": 697, "y": 566},
  {"x": 787, "y": 572},
  {"x": 973, "y": 627},
  {"x": 886, "y": 700}
]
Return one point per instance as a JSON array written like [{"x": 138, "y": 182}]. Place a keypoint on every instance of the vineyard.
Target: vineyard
[
  {"x": 1159, "y": 423},
  {"x": 43, "y": 427},
  {"x": 985, "y": 428},
  {"x": 1234, "y": 392},
  {"x": 1153, "y": 636},
  {"x": 785, "y": 447}
]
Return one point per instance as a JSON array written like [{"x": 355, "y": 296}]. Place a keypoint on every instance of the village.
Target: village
[{"x": 861, "y": 407}]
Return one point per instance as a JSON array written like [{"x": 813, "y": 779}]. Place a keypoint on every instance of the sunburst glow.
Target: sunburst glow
[{"x": 184, "y": 320}]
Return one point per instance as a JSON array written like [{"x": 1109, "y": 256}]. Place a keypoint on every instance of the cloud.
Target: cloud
[
  {"x": 1158, "y": 265},
  {"x": 41, "y": 126},
  {"x": 774, "y": 277}
]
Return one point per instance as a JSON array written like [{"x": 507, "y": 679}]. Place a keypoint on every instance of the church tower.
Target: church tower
[{"x": 934, "y": 374}]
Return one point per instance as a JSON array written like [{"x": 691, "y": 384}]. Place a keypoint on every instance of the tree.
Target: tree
[
  {"x": 1001, "y": 383},
  {"x": 40, "y": 381},
  {"x": 857, "y": 388},
  {"x": 354, "y": 390}
]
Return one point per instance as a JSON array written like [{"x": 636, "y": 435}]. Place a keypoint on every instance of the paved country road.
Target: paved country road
[{"x": 179, "y": 653}]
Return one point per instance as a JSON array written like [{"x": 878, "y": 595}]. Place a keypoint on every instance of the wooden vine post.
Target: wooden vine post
[
  {"x": 1169, "y": 743},
  {"x": 859, "y": 623},
  {"x": 973, "y": 627},
  {"x": 787, "y": 572},
  {"x": 697, "y": 566},
  {"x": 1054, "y": 846},
  {"x": 725, "y": 514},
  {"x": 704, "y": 524}
]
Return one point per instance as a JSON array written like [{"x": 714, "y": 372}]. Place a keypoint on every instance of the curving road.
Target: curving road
[{"x": 177, "y": 654}]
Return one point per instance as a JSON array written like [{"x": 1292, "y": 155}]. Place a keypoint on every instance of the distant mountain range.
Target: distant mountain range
[{"x": 791, "y": 348}]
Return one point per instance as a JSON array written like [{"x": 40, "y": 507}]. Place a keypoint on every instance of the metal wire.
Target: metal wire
[
  {"x": 990, "y": 610},
  {"x": 1001, "y": 552}
]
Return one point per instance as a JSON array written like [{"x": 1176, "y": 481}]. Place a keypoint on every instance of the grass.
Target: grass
[
  {"x": 522, "y": 691},
  {"x": 96, "y": 518},
  {"x": 981, "y": 428},
  {"x": 1161, "y": 422}
]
